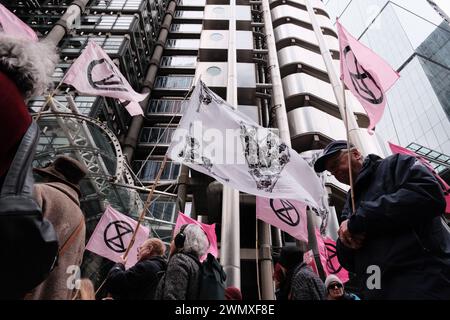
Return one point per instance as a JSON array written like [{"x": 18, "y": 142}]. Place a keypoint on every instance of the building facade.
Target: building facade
[
  {"x": 414, "y": 39},
  {"x": 251, "y": 53}
]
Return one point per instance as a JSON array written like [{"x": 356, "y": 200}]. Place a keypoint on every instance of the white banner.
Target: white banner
[{"x": 217, "y": 140}]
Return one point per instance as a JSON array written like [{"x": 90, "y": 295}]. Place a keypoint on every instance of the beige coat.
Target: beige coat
[{"x": 60, "y": 204}]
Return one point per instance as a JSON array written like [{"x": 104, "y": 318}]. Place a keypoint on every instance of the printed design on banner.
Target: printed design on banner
[
  {"x": 191, "y": 154},
  {"x": 365, "y": 84},
  {"x": 266, "y": 157},
  {"x": 332, "y": 258},
  {"x": 205, "y": 97},
  {"x": 111, "y": 82},
  {"x": 286, "y": 213},
  {"x": 114, "y": 235}
]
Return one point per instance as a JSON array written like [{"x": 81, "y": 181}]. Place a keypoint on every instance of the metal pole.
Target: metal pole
[
  {"x": 355, "y": 135},
  {"x": 183, "y": 180},
  {"x": 230, "y": 232},
  {"x": 132, "y": 137},
  {"x": 65, "y": 24},
  {"x": 265, "y": 258}
]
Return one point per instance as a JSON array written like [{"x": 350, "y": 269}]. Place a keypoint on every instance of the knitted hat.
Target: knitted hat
[
  {"x": 290, "y": 256},
  {"x": 332, "y": 278}
]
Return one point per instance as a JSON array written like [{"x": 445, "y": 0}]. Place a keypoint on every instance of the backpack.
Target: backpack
[
  {"x": 29, "y": 242},
  {"x": 211, "y": 280}
]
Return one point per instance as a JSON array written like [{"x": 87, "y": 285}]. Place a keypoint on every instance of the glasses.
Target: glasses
[{"x": 335, "y": 286}]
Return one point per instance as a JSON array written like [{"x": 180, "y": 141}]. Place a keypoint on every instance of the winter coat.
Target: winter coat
[
  {"x": 60, "y": 205},
  {"x": 137, "y": 283},
  {"x": 399, "y": 205},
  {"x": 306, "y": 285},
  {"x": 181, "y": 280}
]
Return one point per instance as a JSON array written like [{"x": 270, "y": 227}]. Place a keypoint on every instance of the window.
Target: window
[
  {"x": 178, "y": 61},
  {"x": 173, "y": 82},
  {"x": 163, "y": 210},
  {"x": 151, "y": 167},
  {"x": 183, "y": 44},
  {"x": 154, "y": 135},
  {"x": 189, "y": 14},
  {"x": 193, "y": 28},
  {"x": 165, "y": 106}
]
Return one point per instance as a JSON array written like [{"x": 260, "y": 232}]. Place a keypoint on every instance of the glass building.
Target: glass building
[{"x": 415, "y": 40}]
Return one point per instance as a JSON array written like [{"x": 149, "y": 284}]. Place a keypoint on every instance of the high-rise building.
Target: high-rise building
[{"x": 413, "y": 38}]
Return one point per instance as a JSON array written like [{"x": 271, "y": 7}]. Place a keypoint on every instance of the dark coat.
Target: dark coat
[
  {"x": 306, "y": 285},
  {"x": 181, "y": 281},
  {"x": 399, "y": 206},
  {"x": 138, "y": 282}
]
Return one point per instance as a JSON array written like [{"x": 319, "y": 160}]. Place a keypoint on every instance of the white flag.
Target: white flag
[{"x": 217, "y": 140}]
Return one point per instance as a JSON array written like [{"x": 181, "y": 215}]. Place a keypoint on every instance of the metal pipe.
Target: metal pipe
[
  {"x": 275, "y": 76},
  {"x": 66, "y": 22},
  {"x": 183, "y": 180},
  {"x": 137, "y": 122},
  {"x": 230, "y": 232}
]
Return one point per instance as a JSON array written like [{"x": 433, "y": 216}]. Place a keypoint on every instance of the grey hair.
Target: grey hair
[
  {"x": 196, "y": 240},
  {"x": 28, "y": 64}
]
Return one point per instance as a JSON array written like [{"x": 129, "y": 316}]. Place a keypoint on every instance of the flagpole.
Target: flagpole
[
  {"x": 352, "y": 194},
  {"x": 147, "y": 204}
]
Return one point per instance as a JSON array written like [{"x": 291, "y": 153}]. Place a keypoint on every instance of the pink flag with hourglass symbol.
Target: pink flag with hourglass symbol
[
  {"x": 365, "y": 74},
  {"x": 287, "y": 215},
  {"x": 328, "y": 257},
  {"x": 113, "y": 234}
]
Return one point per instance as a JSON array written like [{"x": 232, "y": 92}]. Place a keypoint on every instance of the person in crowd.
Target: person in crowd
[
  {"x": 86, "y": 290},
  {"x": 395, "y": 241},
  {"x": 278, "y": 277},
  {"x": 25, "y": 71},
  {"x": 181, "y": 280},
  {"x": 140, "y": 281},
  {"x": 335, "y": 289},
  {"x": 233, "y": 293},
  {"x": 59, "y": 198},
  {"x": 299, "y": 281}
]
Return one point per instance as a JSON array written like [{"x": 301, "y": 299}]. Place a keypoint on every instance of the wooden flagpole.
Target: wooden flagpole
[
  {"x": 147, "y": 204},
  {"x": 352, "y": 194}
]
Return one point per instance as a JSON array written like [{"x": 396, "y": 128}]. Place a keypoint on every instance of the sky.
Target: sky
[{"x": 445, "y": 5}]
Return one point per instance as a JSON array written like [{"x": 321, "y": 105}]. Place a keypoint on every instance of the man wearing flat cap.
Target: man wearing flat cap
[
  {"x": 59, "y": 198},
  {"x": 395, "y": 241}
]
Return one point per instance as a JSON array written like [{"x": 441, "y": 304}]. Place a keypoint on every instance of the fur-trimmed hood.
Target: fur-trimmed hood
[{"x": 28, "y": 64}]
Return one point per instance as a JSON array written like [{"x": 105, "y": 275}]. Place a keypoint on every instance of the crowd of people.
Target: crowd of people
[{"x": 396, "y": 224}]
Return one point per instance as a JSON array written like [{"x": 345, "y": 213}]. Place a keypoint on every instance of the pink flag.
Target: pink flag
[
  {"x": 328, "y": 257},
  {"x": 113, "y": 234},
  {"x": 133, "y": 108},
  {"x": 94, "y": 73},
  {"x": 287, "y": 215},
  {"x": 366, "y": 74},
  {"x": 445, "y": 187},
  {"x": 13, "y": 26},
  {"x": 210, "y": 230}
]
